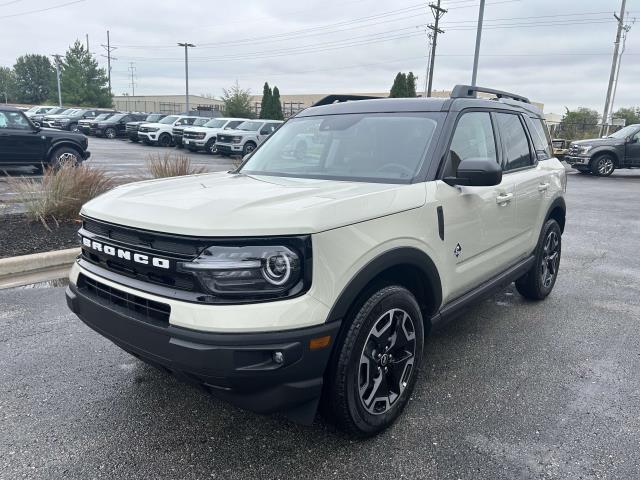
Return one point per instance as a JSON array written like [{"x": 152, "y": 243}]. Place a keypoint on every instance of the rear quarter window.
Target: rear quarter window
[{"x": 541, "y": 138}]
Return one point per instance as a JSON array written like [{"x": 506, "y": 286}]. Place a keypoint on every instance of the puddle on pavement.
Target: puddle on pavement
[{"x": 55, "y": 283}]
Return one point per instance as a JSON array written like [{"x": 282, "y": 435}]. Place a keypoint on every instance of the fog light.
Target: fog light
[{"x": 278, "y": 357}]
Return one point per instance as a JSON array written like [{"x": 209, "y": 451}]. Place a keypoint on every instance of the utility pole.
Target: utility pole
[
  {"x": 87, "y": 35},
  {"x": 626, "y": 29},
  {"x": 132, "y": 69},
  {"x": 426, "y": 76},
  {"x": 438, "y": 12},
  {"x": 186, "y": 71},
  {"x": 476, "y": 55},
  {"x": 614, "y": 63},
  {"x": 57, "y": 58},
  {"x": 108, "y": 56}
]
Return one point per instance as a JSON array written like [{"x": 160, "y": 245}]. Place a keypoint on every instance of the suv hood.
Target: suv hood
[
  {"x": 156, "y": 124},
  {"x": 600, "y": 141},
  {"x": 234, "y": 132},
  {"x": 225, "y": 204}
]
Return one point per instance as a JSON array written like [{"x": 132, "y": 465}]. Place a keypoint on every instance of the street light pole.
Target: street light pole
[
  {"x": 474, "y": 75},
  {"x": 57, "y": 57},
  {"x": 186, "y": 71}
]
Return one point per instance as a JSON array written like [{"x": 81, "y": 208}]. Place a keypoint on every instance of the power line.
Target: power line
[
  {"x": 108, "y": 48},
  {"x": 438, "y": 13},
  {"x": 41, "y": 9},
  {"x": 9, "y": 3}
]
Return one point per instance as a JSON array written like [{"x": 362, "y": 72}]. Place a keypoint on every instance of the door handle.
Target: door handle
[
  {"x": 504, "y": 198},
  {"x": 543, "y": 187}
]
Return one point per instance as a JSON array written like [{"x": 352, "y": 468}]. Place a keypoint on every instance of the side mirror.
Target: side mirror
[{"x": 476, "y": 172}]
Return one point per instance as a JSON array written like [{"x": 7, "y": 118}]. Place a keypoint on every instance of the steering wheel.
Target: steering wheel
[{"x": 398, "y": 166}]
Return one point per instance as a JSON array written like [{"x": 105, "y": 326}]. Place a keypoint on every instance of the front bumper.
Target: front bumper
[
  {"x": 86, "y": 154},
  {"x": 193, "y": 143},
  {"x": 577, "y": 161},
  {"x": 236, "y": 367},
  {"x": 150, "y": 137},
  {"x": 229, "y": 148}
]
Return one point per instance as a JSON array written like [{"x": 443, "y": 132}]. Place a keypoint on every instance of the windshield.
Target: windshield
[
  {"x": 154, "y": 118},
  {"x": 69, "y": 111},
  {"x": 200, "y": 122},
  {"x": 249, "y": 126},
  {"x": 624, "y": 132},
  {"x": 215, "y": 123},
  {"x": 168, "y": 120},
  {"x": 102, "y": 116},
  {"x": 117, "y": 117},
  {"x": 33, "y": 109},
  {"x": 57, "y": 110},
  {"x": 387, "y": 147}
]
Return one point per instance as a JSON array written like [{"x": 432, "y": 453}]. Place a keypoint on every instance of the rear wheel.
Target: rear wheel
[
  {"x": 603, "y": 165},
  {"x": 538, "y": 282},
  {"x": 374, "y": 370},
  {"x": 165, "y": 140}
]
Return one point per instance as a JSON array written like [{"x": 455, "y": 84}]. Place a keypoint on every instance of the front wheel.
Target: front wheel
[
  {"x": 165, "y": 140},
  {"x": 374, "y": 370},
  {"x": 248, "y": 148},
  {"x": 65, "y": 156},
  {"x": 110, "y": 133},
  {"x": 210, "y": 147},
  {"x": 538, "y": 282},
  {"x": 603, "y": 166}
]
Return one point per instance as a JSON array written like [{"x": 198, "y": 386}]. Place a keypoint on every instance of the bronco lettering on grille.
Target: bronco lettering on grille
[{"x": 126, "y": 254}]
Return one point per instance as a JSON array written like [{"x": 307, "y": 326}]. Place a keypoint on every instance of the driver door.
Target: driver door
[
  {"x": 478, "y": 221},
  {"x": 632, "y": 150}
]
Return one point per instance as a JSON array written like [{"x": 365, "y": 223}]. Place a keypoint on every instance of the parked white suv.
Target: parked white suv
[
  {"x": 246, "y": 137},
  {"x": 295, "y": 279},
  {"x": 161, "y": 133},
  {"x": 204, "y": 137}
]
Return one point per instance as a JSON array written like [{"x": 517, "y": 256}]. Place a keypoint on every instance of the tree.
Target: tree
[
  {"x": 276, "y": 106},
  {"x": 579, "y": 124},
  {"x": 7, "y": 85},
  {"x": 399, "y": 87},
  {"x": 411, "y": 85},
  {"x": 34, "y": 78},
  {"x": 82, "y": 82},
  {"x": 630, "y": 114},
  {"x": 237, "y": 102},
  {"x": 266, "y": 106}
]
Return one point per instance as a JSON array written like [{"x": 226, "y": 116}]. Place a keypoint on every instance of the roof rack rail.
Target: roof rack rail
[
  {"x": 468, "y": 91},
  {"x": 329, "y": 99}
]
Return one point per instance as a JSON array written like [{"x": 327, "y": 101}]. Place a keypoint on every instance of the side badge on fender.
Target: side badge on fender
[{"x": 457, "y": 251}]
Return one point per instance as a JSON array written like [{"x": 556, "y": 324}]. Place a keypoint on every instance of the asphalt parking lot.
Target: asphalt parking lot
[
  {"x": 513, "y": 389},
  {"x": 121, "y": 159}
]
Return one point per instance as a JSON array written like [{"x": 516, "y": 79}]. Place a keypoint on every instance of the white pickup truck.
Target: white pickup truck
[
  {"x": 246, "y": 138},
  {"x": 204, "y": 137}
]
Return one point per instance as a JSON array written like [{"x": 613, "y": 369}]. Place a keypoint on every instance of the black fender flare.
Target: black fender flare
[
  {"x": 557, "y": 203},
  {"x": 395, "y": 257},
  {"x": 63, "y": 143}
]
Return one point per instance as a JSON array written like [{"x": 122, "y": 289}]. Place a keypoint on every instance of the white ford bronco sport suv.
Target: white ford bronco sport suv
[
  {"x": 246, "y": 137},
  {"x": 161, "y": 133},
  {"x": 204, "y": 137},
  {"x": 293, "y": 282}
]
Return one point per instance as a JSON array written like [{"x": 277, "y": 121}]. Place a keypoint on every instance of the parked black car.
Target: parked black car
[
  {"x": 23, "y": 143},
  {"x": 132, "y": 127},
  {"x": 116, "y": 125},
  {"x": 601, "y": 156},
  {"x": 70, "y": 121},
  {"x": 87, "y": 127}
]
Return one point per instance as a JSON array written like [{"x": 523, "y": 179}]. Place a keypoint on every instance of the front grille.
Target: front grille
[
  {"x": 177, "y": 131},
  {"x": 194, "y": 135},
  {"x": 140, "y": 308},
  {"x": 132, "y": 128},
  {"x": 225, "y": 138},
  {"x": 574, "y": 150},
  {"x": 176, "y": 248}
]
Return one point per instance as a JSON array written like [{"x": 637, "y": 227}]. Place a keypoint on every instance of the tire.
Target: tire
[
  {"x": 538, "y": 282},
  {"x": 64, "y": 155},
  {"x": 110, "y": 133},
  {"x": 248, "y": 148},
  {"x": 603, "y": 165},
  {"x": 74, "y": 128},
  {"x": 390, "y": 316},
  {"x": 210, "y": 147},
  {"x": 165, "y": 140}
]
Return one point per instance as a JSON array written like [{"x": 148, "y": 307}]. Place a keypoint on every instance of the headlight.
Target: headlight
[
  {"x": 251, "y": 272},
  {"x": 236, "y": 139},
  {"x": 152, "y": 129},
  {"x": 585, "y": 148}
]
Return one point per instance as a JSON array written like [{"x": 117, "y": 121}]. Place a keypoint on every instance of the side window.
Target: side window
[
  {"x": 14, "y": 120},
  {"x": 541, "y": 139},
  {"x": 3, "y": 121},
  {"x": 233, "y": 124},
  {"x": 515, "y": 142},
  {"x": 636, "y": 137},
  {"x": 473, "y": 138}
]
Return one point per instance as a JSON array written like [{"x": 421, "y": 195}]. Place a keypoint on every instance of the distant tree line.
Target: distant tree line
[
  {"x": 585, "y": 122},
  {"x": 404, "y": 86},
  {"x": 237, "y": 103},
  {"x": 32, "y": 80}
]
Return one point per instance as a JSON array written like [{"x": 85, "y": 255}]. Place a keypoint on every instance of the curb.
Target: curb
[{"x": 37, "y": 261}]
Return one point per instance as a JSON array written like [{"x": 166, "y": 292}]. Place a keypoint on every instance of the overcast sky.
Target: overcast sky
[{"x": 557, "y": 52}]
